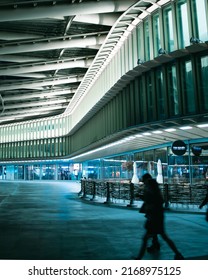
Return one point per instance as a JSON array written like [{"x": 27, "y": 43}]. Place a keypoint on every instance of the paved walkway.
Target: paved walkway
[{"x": 47, "y": 220}]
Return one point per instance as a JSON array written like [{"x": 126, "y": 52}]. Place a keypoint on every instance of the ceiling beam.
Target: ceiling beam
[
  {"x": 39, "y": 103},
  {"x": 10, "y": 36},
  {"x": 52, "y": 44},
  {"x": 31, "y": 110},
  {"x": 45, "y": 67},
  {"x": 39, "y": 84},
  {"x": 60, "y": 10},
  {"x": 101, "y": 19},
  {"x": 33, "y": 75},
  {"x": 21, "y": 117},
  {"x": 20, "y": 58},
  {"x": 39, "y": 94}
]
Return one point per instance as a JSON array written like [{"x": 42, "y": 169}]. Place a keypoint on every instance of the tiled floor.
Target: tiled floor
[{"x": 47, "y": 220}]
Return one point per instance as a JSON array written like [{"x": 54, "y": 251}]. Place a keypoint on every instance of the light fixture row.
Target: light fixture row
[{"x": 140, "y": 135}]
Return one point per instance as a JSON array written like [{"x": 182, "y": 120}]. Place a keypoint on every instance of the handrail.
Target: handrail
[{"x": 127, "y": 192}]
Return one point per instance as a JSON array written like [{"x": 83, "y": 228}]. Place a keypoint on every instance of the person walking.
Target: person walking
[
  {"x": 154, "y": 214},
  {"x": 155, "y": 242}
]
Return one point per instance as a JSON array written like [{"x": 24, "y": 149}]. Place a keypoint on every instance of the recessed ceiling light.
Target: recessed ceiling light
[
  {"x": 186, "y": 127},
  {"x": 157, "y": 132},
  {"x": 170, "y": 129},
  {"x": 146, "y": 133},
  {"x": 203, "y": 125}
]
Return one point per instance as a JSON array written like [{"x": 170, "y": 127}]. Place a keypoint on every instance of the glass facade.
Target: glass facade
[
  {"x": 190, "y": 168},
  {"x": 170, "y": 27},
  {"x": 42, "y": 171},
  {"x": 157, "y": 90}
]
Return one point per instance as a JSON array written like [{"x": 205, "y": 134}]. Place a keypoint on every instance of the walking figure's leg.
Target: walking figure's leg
[
  {"x": 178, "y": 255},
  {"x": 143, "y": 247},
  {"x": 155, "y": 245}
]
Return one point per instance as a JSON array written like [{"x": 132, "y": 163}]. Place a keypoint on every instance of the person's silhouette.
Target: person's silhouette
[
  {"x": 155, "y": 242},
  {"x": 155, "y": 218}
]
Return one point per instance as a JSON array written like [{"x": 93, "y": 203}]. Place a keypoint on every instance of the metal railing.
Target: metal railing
[{"x": 174, "y": 195}]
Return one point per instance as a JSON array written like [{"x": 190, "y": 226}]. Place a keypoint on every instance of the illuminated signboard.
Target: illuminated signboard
[
  {"x": 196, "y": 150},
  {"x": 179, "y": 148}
]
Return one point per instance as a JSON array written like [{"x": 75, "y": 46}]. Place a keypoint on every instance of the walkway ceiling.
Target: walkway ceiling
[{"x": 46, "y": 48}]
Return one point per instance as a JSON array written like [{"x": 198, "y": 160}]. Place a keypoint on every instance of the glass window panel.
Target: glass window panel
[
  {"x": 52, "y": 128},
  {"x": 1, "y": 150},
  {"x": 18, "y": 149},
  {"x": 45, "y": 129},
  {"x": 6, "y": 134},
  {"x": 41, "y": 148},
  {"x": 60, "y": 146},
  {"x": 203, "y": 82},
  {"x": 64, "y": 147},
  {"x": 38, "y": 148},
  {"x": 168, "y": 27},
  {"x": 36, "y": 172},
  {"x": 200, "y": 19},
  {"x": 172, "y": 90},
  {"x": 48, "y": 172},
  {"x": 41, "y": 129},
  {"x": 142, "y": 100},
  {"x": 38, "y": 129},
  {"x": 45, "y": 148},
  {"x": 147, "y": 40},
  {"x": 31, "y": 149},
  {"x": 134, "y": 48},
  {"x": 28, "y": 149},
  {"x": 130, "y": 52},
  {"x": 24, "y": 148},
  {"x": 11, "y": 152},
  {"x": 30, "y": 130},
  {"x": 56, "y": 147},
  {"x": 150, "y": 101},
  {"x": 18, "y": 132},
  {"x": 52, "y": 147},
  {"x": 156, "y": 34},
  {"x": 140, "y": 46},
  {"x": 160, "y": 94},
  {"x": 123, "y": 66},
  {"x": 188, "y": 88},
  {"x": 62, "y": 125},
  {"x": 182, "y": 24}
]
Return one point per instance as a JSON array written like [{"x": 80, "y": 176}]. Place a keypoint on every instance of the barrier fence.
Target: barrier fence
[{"x": 185, "y": 195}]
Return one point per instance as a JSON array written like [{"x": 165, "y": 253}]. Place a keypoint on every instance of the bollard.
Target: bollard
[
  {"x": 107, "y": 193},
  {"x": 84, "y": 189},
  {"x": 93, "y": 191},
  {"x": 132, "y": 196}
]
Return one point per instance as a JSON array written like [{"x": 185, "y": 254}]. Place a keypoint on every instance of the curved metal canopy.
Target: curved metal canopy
[{"x": 46, "y": 48}]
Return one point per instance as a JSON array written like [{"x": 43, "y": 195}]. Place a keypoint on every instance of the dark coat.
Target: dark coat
[{"x": 153, "y": 208}]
